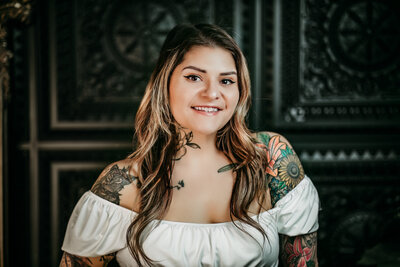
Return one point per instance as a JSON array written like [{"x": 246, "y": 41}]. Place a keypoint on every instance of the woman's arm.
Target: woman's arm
[
  {"x": 115, "y": 184},
  {"x": 69, "y": 260},
  {"x": 285, "y": 172},
  {"x": 299, "y": 250}
]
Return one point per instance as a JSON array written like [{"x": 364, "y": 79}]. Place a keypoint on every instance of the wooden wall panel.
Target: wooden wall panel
[{"x": 339, "y": 64}]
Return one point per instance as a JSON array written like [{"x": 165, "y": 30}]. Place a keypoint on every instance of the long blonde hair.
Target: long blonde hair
[{"x": 158, "y": 137}]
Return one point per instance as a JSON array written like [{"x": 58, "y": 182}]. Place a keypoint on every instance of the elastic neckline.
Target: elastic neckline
[{"x": 254, "y": 217}]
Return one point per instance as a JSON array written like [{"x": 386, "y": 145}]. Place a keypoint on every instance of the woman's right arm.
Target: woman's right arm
[
  {"x": 117, "y": 185},
  {"x": 69, "y": 260}
]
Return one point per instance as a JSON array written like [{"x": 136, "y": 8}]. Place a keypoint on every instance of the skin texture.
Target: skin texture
[
  {"x": 284, "y": 172},
  {"x": 205, "y": 78}
]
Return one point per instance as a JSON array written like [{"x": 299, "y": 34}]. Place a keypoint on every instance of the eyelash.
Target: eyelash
[
  {"x": 195, "y": 77},
  {"x": 192, "y": 77},
  {"x": 227, "y": 80}
]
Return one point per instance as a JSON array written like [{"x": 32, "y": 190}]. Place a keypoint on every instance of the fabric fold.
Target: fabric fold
[
  {"x": 96, "y": 227},
  {"x": 297, "y": 212}
]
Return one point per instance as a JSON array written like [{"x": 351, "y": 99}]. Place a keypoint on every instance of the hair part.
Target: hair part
[{"x": 158, "y": 135}]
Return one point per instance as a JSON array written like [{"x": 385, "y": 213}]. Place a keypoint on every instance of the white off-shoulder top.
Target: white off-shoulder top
[{"x": 98, "y": 227}]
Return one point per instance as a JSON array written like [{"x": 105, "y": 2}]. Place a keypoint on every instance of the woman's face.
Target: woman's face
[{"x": 203, "y": 90}]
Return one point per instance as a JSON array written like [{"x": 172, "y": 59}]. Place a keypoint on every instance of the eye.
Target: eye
[
  {"x": 193, "y": 78},
  {"x": 227, "y": 82}
]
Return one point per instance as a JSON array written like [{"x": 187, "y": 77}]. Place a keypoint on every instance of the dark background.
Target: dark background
[{"x": 325, "y": 74}]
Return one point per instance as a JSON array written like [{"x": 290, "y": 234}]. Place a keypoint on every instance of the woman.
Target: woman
[{"x": 200, "y": 189}]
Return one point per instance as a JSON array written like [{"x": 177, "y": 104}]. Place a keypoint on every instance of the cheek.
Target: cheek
[
  {"x": 174, "y": 97},
  {"x": 234, "y": 99}
]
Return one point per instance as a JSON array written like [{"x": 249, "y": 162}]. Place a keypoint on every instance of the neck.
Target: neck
[
  {"x": 206, "y": 142},
  {"x": 199, "y": 145}
]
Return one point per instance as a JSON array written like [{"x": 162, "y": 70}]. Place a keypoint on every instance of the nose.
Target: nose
[{"x": 212, "y": 90}]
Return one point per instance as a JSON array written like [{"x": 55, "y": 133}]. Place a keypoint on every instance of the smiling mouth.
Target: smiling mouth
[{"x": 206, "y": 109}]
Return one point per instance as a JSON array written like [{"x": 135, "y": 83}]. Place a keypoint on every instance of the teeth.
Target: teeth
[{"x": 206, "y": 109}]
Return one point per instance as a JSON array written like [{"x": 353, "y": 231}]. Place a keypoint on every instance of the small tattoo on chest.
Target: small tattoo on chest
[
  {"x": 227, "y": 167},
  {"x": 179, "y": 185}
]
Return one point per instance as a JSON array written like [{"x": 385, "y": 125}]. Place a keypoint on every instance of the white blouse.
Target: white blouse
[{"x": 98, "y": 227}]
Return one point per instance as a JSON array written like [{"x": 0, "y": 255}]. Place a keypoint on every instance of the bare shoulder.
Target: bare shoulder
[
  {"x": 284, "y": 169},
  {"x": 266, "y": 137},
  {"x": 117, "y": 184}
]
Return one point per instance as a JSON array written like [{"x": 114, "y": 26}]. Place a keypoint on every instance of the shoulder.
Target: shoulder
[
  {"x": 270, "y": 138},
  {"x": 117, "y": 184},
  {"x": 284, "y": 169}
]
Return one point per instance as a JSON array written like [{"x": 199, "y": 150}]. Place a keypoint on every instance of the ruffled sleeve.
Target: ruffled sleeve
[
  {"x": 297, "y": 212},
  {"x": 96, "y": 227}
]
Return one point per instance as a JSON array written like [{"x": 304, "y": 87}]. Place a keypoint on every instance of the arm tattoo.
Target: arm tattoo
[
  {"x": 284, "y": 170},
  {"x": 299, "y": 250},
  {"x": 69, "y": 260},
  {"x": 178, "y": 186},
  {"x": 109, "y": 185},
  {"x": 106, "y": 259},
  {"x": 72, "y": 260}
]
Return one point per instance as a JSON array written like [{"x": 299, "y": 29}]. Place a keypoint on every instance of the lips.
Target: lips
[{"x": 206, "y": 109}]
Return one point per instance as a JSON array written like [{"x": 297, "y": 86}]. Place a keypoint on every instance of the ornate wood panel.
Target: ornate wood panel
[{"x": 339, "y": 64}]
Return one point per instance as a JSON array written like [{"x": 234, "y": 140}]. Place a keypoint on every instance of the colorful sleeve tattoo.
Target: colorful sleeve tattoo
[
  {"x": 284, "y": 172},
  {"x": 299, "y": 251}
]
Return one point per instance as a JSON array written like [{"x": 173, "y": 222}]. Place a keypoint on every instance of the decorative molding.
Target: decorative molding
[
  {"x": 354, "y": 217},
  {"x": 77, "y": 145},
  {"x": 350, "y": 53},
  {"x": 76, "y": 187},
  {"x": 350, "y": 114},
  {"x": 343, "y": 68},
  {"x": 352, "y": 155},
  {"x": 18, "y": 11},
  {"x": 15, "y": 11}
]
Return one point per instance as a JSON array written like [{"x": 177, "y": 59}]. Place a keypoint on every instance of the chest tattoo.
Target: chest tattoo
[
  {"x": 227, "y": 167},
  {"x": 179, "y": 185},
  {"x": 186, "y": 142}
]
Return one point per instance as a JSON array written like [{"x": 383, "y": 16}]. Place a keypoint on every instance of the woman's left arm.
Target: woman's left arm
[
  {"x": 299, "y": 250},
  {"x": 285, "y": 172}
]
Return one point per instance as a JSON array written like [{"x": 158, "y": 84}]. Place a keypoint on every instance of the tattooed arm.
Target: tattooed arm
[
  {"x": 285, "y": 172},
  {"x": 69, "y": 260},
  {"x": 117, "y": 185},
  {"x": 298, "y": 250}
]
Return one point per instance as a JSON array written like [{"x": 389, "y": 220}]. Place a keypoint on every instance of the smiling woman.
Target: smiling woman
[{"x": 199, "y": 189}]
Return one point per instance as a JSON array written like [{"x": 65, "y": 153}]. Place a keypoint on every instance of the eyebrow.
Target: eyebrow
[{"x": 204, "y": 71}]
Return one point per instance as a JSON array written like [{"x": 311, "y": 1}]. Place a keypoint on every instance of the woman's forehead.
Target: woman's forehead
[{"x": 209, "y": 57}]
